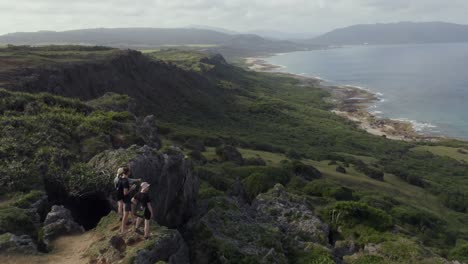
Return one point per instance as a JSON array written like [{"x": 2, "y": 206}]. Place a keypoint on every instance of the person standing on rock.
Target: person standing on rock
[
  {"x": 142, "y": 201},
  {"x": 124, "y": 196},
  {"x": 120, "y": 203}
]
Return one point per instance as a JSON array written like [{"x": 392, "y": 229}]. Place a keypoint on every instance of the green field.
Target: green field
[{"x": 460, "y": 154}]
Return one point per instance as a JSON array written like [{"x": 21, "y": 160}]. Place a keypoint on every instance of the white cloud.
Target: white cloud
[{"x": 286, "y": 15}]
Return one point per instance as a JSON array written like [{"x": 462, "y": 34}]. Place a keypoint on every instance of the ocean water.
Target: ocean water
[{"x": 426, "y": 84}]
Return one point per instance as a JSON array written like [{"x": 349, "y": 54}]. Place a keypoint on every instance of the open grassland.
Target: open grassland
[{"x": 460, "y": 154}]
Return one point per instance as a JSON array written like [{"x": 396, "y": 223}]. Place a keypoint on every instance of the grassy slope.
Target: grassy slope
[{"x": 281, "y": 112}]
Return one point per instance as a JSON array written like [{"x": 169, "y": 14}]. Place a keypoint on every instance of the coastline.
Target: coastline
[{"x": 353, "y": 104}]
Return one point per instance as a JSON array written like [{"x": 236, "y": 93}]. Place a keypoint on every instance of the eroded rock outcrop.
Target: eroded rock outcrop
[
  {"x": 24, "y": 244},
  {"x": 174, "y": 187},
  {"x": 291, "y": 214},
  {"x": 277, "y": 226},
  {"x": 59, "y": 221},
  {"x": 166, "y": 245}
]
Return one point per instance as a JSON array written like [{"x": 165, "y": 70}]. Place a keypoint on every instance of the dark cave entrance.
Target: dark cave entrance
[{"x": 88, "y": 209}]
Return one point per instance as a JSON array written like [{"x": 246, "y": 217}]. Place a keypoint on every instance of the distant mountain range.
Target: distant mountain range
[
  {"x": 232, "y": 44},
  {"x": 227, "y": 43},
  {"x": 395, "y": 33}
]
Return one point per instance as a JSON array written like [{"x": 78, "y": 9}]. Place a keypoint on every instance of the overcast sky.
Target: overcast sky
[{"x": 242, "y": 15}]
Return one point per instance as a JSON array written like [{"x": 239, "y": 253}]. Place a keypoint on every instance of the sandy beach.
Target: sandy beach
[{"x": 352, "y": 103}]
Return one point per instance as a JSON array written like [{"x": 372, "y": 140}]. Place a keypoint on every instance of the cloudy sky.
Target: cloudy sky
[{"x": 241, "y": 15}]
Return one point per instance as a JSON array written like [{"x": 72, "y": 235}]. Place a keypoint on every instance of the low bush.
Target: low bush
[
  {"x": 260, "y": 182},
  {"x": 322, "y": 188},
  {"x": 17, "y": 221},
  {"x": 350, "y": 213}
]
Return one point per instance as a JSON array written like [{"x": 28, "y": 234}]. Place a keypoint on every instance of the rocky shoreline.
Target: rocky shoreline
[{"x": 353, "y": 103}]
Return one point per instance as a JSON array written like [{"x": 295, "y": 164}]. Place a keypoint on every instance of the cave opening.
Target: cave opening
[{"x": 88, "y": 209}]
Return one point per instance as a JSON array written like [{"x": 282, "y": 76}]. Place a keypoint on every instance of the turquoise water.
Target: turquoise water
[{"x": 426, "y": 84}]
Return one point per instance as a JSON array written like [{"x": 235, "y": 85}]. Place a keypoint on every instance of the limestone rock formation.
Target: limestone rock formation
[
  {"x": 58, "y": 222},
  {"x": 10, "y": 243},
  {"x": 291, "y": 214},
  {"x": 170, "y": 246},
  {"x": 149, "y": 132},
  {"x": 174, "y": 187},
  {"x": 275, "y": 226},
  {"x": 166, "y": 245}
]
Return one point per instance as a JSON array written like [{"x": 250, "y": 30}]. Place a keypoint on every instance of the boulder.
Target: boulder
[
  {"x": 169, "y": 247},
  {"x": 291, "y": 214},
  {"x": 174, "y": 187},
  {"x": 58, "y": 222},
  {"x": 230, "y": 153},
  {"x": 24, "y": 244}
]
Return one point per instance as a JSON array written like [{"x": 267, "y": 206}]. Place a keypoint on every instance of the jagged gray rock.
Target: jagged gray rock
[
  {"x": 171, "y": 248},
  {"x": 229, "y": 230},
  {"x": 292, "y": 215},
  {"x": 148, "y": 131},
  {"x": 266, "y": 231},
  {"x": 174, "y": 187},
  {"x": 10, "y": 243},
  {"x": 59, "y": 221}
]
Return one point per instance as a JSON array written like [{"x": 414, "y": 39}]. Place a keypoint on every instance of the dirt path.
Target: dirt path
[{"x": 67, "y": 250}]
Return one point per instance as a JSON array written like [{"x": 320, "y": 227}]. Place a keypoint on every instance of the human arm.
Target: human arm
[{"x": 132, "y": 181}]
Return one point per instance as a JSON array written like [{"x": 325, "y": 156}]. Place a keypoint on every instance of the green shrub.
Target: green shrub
[
  {"x": 420, "y": 219},
  {"x": 207, "y": 191},
  {"x": 460, "y": 252},
  {"x": 215, "y": 180},
  {"x": 17, "y": 221},
  {"x": 366, "y": 259},
  {"x": 302, "y": 170},
  {"x": 313, "y": 255},
  {"x": 26, "y": 200},
  {"x": 350, "y": 213},
  {"x": 369, "y": 171},
  {"x": 322, "y": 188},
  {"x": 259, "y": 182}
]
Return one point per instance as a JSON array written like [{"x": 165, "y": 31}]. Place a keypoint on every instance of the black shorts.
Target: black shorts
[
  {"x": 120, "y": 196},
  {"x": 127, "y": 206},
  {"x": 147, "y": 214}
]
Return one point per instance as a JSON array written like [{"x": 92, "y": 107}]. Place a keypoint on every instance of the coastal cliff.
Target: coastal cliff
[{"x": 244, "y": 167}]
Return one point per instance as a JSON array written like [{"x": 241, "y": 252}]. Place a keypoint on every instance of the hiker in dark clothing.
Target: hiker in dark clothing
[
  {"x": 142, "y": 202},
  {"x": 124, "y": 196},
  {"x": 120, "y": 195}
]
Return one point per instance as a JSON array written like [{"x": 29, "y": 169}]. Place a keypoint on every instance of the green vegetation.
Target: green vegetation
[
  {"x": 406, "y": 200},
  {"x": 44, "y": 135},
  {"x": 16, "y": 221}
]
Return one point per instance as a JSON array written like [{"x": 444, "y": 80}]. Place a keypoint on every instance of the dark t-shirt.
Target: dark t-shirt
[
  {"x": 121, "y": 185},
  {"x": 143, "y": 199}
]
